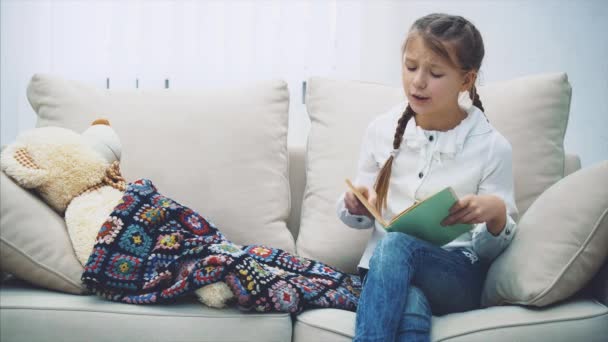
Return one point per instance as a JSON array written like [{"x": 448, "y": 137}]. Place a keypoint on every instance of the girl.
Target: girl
[{"x": 436, "y": 143}]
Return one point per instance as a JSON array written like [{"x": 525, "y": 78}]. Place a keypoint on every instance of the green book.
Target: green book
[{"x": 422, "y": 219}]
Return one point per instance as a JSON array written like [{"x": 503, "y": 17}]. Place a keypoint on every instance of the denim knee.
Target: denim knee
[
  {"x": 392, "y": 249},
  {"x": 395, "y": 239}
]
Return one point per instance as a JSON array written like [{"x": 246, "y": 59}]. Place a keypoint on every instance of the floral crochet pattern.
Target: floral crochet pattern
[
  {"x": 153, "y": 250},
  {"x": 109, "y": 230}
]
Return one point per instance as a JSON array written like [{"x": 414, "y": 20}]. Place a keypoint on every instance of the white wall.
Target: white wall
[
  {"x": 521, "y": 38},
  {"x": 190, "y": 42},
  {"x": 193, "y": 43}
]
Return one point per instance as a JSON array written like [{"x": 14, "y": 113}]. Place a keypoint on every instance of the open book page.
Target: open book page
[
  {"x": 373, "y": 209},
  {"x": 423, "y": 219},
  {"x": 452, "y": 197}
]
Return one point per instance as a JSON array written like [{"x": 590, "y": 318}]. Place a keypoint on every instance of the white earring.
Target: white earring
[{"x": 464, "y": 100}]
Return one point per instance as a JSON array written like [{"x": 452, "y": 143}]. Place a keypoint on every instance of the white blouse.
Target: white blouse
[{"x": 472, "y": 158}]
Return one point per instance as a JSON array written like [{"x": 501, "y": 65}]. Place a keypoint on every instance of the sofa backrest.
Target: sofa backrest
[{"x": 221, "y": 152}]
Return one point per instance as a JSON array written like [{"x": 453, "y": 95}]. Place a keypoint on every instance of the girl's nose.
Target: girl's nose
[{"x": 419, "y": 81}]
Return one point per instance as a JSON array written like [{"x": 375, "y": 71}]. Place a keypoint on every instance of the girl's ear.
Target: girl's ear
[
  {"x": 468, "y": 81},
  {"x": 17, "y": 163}
]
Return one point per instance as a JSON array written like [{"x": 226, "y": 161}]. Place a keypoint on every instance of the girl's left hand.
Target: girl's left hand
[{"x": 478, "y": 209}]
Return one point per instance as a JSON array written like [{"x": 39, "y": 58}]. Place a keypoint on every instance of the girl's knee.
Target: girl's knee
[
  {"x": 394, "y": 248},
  {"x": 396, "y": 240}
]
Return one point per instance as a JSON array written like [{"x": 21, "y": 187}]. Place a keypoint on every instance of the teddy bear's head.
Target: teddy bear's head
[{"x": 60, "y": 164}]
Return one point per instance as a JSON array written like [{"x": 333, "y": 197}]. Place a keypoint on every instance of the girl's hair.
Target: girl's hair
[{"x": 438, "y": 31}]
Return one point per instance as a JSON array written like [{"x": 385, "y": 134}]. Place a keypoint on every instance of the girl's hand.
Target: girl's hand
[
  {"x": 354, "y": 206},
  {"x": 478, "y": 209}
]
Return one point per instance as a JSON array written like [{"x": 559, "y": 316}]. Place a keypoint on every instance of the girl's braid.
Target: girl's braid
[
  {"x": 382, "y": 181},
  {"x": 475, "y": 97},
  {"x": 402, "y": 123}
]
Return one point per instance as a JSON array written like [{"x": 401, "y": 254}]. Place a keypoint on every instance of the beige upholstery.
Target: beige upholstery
[
  {"x": 520, "y": 109},
  {"x": 34, "y": 244},
  {"x": 217, "y": 151},
  {"x": 560, "y": 244},
  {"x": 239, "y": 180},
  {"x": 31, "y": 314},
  {"x": 339, "y": 112},
  {"x": 573, "y": 163},
  {"x": 563, "y": 323}
]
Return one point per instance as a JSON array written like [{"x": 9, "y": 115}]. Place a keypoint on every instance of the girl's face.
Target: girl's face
[{"x": 431, "y": 83}]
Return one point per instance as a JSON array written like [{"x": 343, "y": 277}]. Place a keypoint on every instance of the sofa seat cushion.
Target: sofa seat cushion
[
  {"x": 65, "y": 317},
  {"x": 581, "y": 319}
]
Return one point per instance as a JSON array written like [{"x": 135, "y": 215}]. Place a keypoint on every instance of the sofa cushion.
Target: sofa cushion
[
  {"x": 34, "y": 244},
  {"x": 577, "y": 319},
  {"x": 221, "y": 152},
  {"x": 64, "y": 317},
  {"x": 532, "y": 113},
  {"x": 339, "y": 112},
  {"x": 560, "y": 244}
]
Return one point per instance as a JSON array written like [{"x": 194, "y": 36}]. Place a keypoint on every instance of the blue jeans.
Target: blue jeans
[{"x": 408, "y": 281}]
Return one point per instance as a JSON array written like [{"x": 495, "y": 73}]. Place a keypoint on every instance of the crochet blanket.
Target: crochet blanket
[{"x": 151, "y": 249}]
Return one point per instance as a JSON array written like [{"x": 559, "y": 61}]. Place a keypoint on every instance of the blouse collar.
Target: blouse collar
[{"x": 449, "y": 143}]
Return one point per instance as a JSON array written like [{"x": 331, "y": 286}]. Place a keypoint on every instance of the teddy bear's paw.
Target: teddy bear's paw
[
  {"x": 215, "y": 295},
  {"x": 17, "y": 163}
]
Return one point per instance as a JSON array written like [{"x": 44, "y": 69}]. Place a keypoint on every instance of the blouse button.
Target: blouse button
[
  {"x": 431, "y": 138},
  {"x": 420, "y": 175}
]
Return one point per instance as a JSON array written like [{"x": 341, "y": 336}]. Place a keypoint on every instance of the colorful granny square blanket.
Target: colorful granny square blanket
[{"x": 151, "y": 249}]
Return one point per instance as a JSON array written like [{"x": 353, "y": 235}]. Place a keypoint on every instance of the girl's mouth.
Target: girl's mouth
[{"x": 420, "y": 98}]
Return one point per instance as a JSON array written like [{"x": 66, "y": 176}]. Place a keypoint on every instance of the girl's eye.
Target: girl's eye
[
  {"x": 411, "y": 68},
  {"x": 436, "y": 75}
]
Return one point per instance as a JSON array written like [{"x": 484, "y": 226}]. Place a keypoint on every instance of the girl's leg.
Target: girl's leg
[
  {"x": 447, "y": 279},
  {"x": 383, "y": 296},
  {"x": 415, "y": 323}
]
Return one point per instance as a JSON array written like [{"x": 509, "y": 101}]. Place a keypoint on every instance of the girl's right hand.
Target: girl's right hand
[{"x": 354, "y": 206}]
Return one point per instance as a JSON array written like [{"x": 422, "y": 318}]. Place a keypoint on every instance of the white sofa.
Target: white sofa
[{"x": 246, "y": 179}]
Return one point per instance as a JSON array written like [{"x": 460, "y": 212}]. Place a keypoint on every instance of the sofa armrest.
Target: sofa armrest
[
  {"x": 297, "y": 182},
  {"x": 571, "y": 164}
]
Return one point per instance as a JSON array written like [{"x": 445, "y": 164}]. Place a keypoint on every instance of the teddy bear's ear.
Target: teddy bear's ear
[
  {"x": 103, "y": 139},
  {"x": 17, "y": 163}
]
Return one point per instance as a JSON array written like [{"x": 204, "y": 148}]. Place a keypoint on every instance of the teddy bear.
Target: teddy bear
[{"x": 78, "y": 175}]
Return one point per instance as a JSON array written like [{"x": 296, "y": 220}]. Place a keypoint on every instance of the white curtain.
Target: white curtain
[{"x": 190, "y": 43}]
